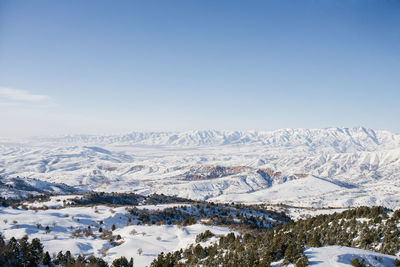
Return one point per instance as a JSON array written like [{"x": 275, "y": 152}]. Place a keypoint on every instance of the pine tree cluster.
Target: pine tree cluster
[
  {"x": 235, "y": 216},
  {"x": 371, "y": 228},
  {"x": 364, "y": 227},
  {"x": 22, "y": 253}
]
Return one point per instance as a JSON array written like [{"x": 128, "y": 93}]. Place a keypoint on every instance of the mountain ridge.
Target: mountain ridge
[{"x": 359, "y": 138}]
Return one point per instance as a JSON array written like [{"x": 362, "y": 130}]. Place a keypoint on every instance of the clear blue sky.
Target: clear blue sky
[{"x": 119, "y": 66}]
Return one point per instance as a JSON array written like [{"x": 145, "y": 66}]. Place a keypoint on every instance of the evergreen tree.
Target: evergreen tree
[
  {"x": 47, "y": 259},
  {"x": 120, "y": 262}
]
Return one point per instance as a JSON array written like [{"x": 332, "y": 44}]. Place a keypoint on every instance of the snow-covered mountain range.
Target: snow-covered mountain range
[
  {"x": 305, "y": 167},
  {"x": 332, "y": 139}
]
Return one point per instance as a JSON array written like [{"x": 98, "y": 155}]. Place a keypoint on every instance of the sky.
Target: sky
[{"x": 108, "y": 67}]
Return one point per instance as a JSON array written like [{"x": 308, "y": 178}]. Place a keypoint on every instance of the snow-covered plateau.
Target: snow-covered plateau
[{"x": 338, "y": 167}]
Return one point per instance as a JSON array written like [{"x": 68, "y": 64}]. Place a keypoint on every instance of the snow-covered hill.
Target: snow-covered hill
[
  {"x": 25, "y": 187},
  {"x": 304, "y": 167},
  {"x": 89, "y": 230},
  {"x": 67, "y": 229},
  {"x": 338, "y": 256}
]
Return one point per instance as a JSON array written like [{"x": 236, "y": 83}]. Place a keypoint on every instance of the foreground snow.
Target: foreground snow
[
  {"x": 142, "y": 242},
  {"x": 338, "y": 256},
  {"x": 157, "y": 239},
  {"x": 63, "y": 223}
]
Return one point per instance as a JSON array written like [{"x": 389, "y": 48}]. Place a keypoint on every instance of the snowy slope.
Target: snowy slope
[
  {"x": 63, "y": 223},
  {"x": 312, "y": 167},
  {"x": 25, "y": 187},
  {"x": 338, "y": 256},
  {"x": 149, "y": 239}
]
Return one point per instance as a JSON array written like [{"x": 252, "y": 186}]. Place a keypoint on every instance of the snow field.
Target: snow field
[
  {"x": 63, "y": 223},
  {"x": 338, "y": 256}
]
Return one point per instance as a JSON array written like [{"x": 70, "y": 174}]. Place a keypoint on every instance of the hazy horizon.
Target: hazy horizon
[{"x": 188, "y": 131}]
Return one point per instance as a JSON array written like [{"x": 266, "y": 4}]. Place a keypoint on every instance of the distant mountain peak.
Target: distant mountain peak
[{"x": 340, "y": 139}]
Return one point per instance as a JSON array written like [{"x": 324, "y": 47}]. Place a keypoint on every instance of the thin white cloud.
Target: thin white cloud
[
  {"x": 4, "y": 104},
  {"x": 17, "y": 95}
]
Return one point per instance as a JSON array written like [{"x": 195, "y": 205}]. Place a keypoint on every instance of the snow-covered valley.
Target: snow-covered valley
[{"x": 336, "y": 167}]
